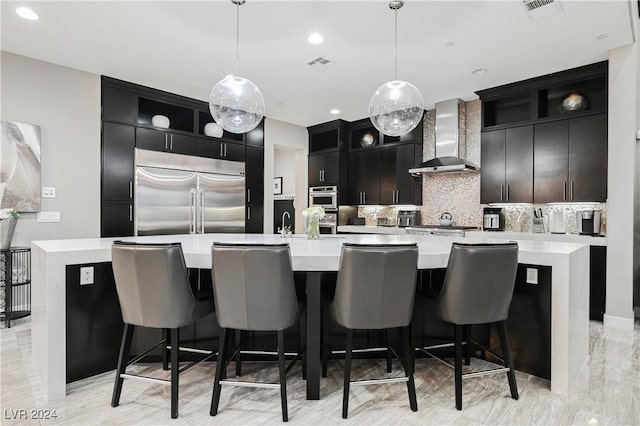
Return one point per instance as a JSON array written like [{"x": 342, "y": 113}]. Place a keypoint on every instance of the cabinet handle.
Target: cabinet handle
[
  {"x": 564, "y": 191},
  {"x": 171, "y": 143},
  {"x": 571, "y": 190},
  {"x": 501, "y": 192},
  {"x": 248, "y": 195},
  {"x": 130, "y": 189},
  {"x": 248, "y": 212},
  {"x": 508, "y": 191},
  {"x": 320, "y": 176},
  {"x": 397, "y": 196},
  {"x": 130, "y": 213},
  {"x": 221, "y": 150},
  {"x": 364, "y": 199},
  {"x": 225, "y": 150},
  {"x": 166, "y": 142}
]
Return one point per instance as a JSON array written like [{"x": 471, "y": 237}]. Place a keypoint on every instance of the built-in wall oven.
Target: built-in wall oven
[
  {"x": 324, "y": 196},
  {"x": 329, "y": 223}
]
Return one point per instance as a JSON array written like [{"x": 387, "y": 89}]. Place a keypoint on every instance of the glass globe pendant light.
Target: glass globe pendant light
[
  {"x": 235, "y": 102},
  {"x": 396, "y": 108}
]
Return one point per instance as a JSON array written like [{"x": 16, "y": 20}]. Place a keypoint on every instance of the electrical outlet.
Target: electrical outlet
[
  {"x": 48, "y": 216},
  {"x": 86, "y": 275},
  {"x": 532, "y": 276},
  {"x": 48, "y": 192}
]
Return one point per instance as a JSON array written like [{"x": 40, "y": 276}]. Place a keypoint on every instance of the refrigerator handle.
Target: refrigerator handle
[
  {"x": 202, "y": 211},
  {"x": 192, "y": 206}
]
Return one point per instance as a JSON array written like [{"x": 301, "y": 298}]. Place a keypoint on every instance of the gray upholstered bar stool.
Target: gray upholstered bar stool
[
  {"x": 375, "y": 290},
  {"x": 478, "y": 288},
  {"x": 154, "y": 291},
  {"x": 254, "y": 290}
]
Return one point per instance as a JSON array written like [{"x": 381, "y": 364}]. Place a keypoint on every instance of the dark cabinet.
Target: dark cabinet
[
  {"x": 397, "y": 186},
  {"x": 570, "y": 162},
  {"x": 156, "y": 140},
  {"x": 118, "y": 142},
  {"x": 364, "y": 177},
  {"x": 118, "y": 105},
  {"x": 117, "y": 219},
  {"x": 256, "y": 136},
  {"x": 214, "y": 148},
  {"x": 254, "y": 173},
  {"x": 507, "y": 165},
  {"x": 323, "y": 169}
]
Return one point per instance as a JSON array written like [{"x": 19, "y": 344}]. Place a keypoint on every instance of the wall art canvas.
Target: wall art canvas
[{"x": 20, "y": 167}]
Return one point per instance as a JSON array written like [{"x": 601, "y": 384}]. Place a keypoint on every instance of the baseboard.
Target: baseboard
[{"x": 618, "y": 323}]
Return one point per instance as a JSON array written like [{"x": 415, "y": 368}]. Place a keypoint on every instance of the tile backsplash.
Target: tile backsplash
[{"x": 519, "y": 217}]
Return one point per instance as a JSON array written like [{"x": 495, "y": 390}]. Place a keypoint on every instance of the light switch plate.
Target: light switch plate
[
  {"x": 48, "y": 192},
  {"x": 532, "y": 276},
  {"x": 86, "y": 275},
  {"x": 638, "y": 135},
  {"x": 49, "y": 217}
]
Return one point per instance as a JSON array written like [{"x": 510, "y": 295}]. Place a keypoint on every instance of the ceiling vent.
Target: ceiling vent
[
  {"x": 319, "y": 63},
  {"x": 541, "y": 8}
]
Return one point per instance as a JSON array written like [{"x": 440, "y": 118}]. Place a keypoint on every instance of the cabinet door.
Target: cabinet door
[
  {"x": 181, "y": 144},
  {"x": 364, "y": 177},
  {"x": 408, "y": 188},
  {"x": 323, "y": 169},
  {"x": 118, "y": 142},
  {"x": 255, "y": 190},
  {"x": 153, "y": 140},
  {"x": 519, "y": 164},
  {"x": 492, "y": 170},
  {"x": 233, "y": 151},
  {"x": 117, "y": 219},
  {"x": 588, "y": 158},
  {"x": 118, "y": 105},
  {"x": 550, "y": 162},
  {"x": 211, "y": 148},
  {"x": 388, "y": 175}
]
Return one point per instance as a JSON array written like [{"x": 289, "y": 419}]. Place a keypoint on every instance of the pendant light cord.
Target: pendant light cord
[
  {"x": 396, "y": 47},
  {"x": 237, "y": 38}
]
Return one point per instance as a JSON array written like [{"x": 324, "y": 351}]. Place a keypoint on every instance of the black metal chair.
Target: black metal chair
[
  {"x": 154, "y": 291},
  {"x": 254, "y": 290},
  {"x": 375, "y": 290},
  {"x": 478, "y": 288}
]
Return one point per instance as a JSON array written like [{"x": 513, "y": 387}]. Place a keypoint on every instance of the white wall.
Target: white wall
[
  {"x": 65, "y": 103},
  {"x": 623, "y": 119},
  {"x": 284, "y": 166},
  {"x": 284, "y": 136}
]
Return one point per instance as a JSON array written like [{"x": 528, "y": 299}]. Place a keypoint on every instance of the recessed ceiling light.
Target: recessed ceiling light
[
  {"x": 315, "y": 38},
  {"x": 27, "y": 13},
  {"x": 479, "y": 71},
  {"x": 449, "y": 44},
  {"x": 335, "y": 111}
]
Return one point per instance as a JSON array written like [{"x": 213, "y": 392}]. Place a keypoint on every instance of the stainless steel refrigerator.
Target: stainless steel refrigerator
[{"x": 181, "y": 194}]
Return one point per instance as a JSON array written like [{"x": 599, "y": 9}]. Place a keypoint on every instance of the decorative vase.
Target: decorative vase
[
  {"x": 313, "y": 226},
  {"x": 7, "y": 227}
]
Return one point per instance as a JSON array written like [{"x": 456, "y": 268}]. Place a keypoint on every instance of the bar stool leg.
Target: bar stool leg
[
  {"x": 458, "y": 366},
  {"x": 125, "y": 348},
  {"x": 238, "y": 345},
  {"x": 166, "y": 336},
  {"x": 303, "y": 344},
  {"x": 465, "y": 339},
  {"x": 389, "y": 353},
  {"x": 283, "y": 376},
  {"x": 508, "y": 362},
  {"x": 175, "y": 371},
  {"x": 222, "y": 345},
  {"x": 408, "y": 367},
  {"x": 347, "y": 373}
]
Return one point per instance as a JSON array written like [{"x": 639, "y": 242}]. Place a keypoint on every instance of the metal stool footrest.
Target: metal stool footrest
[{"x": 426, "y": 350}]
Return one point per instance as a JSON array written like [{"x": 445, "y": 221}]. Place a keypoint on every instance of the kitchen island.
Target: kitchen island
[{"x": 569, "y": 264}]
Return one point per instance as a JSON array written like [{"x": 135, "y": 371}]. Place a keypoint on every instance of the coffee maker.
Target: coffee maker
[
  {"x": 408, "y": 218},
  {"x": 588, "y": 222},
  {"x": 492, "y": 219}
]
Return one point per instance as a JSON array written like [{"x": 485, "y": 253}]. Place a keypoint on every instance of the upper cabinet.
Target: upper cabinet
[
  {"x": 544, "y": 140},
  {"x": 329, "y": 136},
  {"x": 118, "y": 105}
]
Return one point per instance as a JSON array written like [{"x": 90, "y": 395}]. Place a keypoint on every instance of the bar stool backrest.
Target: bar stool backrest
[
  {"x": 376, "y": 286},
  {"x": 152, "y": 284},
  {"x": 253, "y": 286},
  {"x": 479, "y": 282}
]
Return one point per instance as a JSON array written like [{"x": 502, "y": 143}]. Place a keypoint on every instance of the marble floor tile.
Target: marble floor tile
[{"x": 607, "y": 393}]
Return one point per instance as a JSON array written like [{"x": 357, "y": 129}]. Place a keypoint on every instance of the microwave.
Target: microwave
[{"x": 324, "y": 196}]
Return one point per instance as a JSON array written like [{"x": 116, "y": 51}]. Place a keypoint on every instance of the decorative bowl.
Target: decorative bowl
[
  {"x": 213, "y": 129},
  {"x": 161, "y": 121},
  {"x": 367, "y": 140},
  {"x": 573, "y": 102}
]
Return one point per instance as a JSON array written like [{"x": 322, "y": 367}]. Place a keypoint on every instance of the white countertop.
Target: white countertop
[{"x": 499, "y": 235}]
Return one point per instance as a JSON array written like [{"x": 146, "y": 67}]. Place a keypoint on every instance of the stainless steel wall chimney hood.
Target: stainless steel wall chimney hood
[{"x": 448, "y": 130}]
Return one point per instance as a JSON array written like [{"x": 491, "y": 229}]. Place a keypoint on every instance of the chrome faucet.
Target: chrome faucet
[{"x": 285, "y": 232}]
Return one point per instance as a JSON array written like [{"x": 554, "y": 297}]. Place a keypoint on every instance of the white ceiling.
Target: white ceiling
[{"x": 186, "y": 47}]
